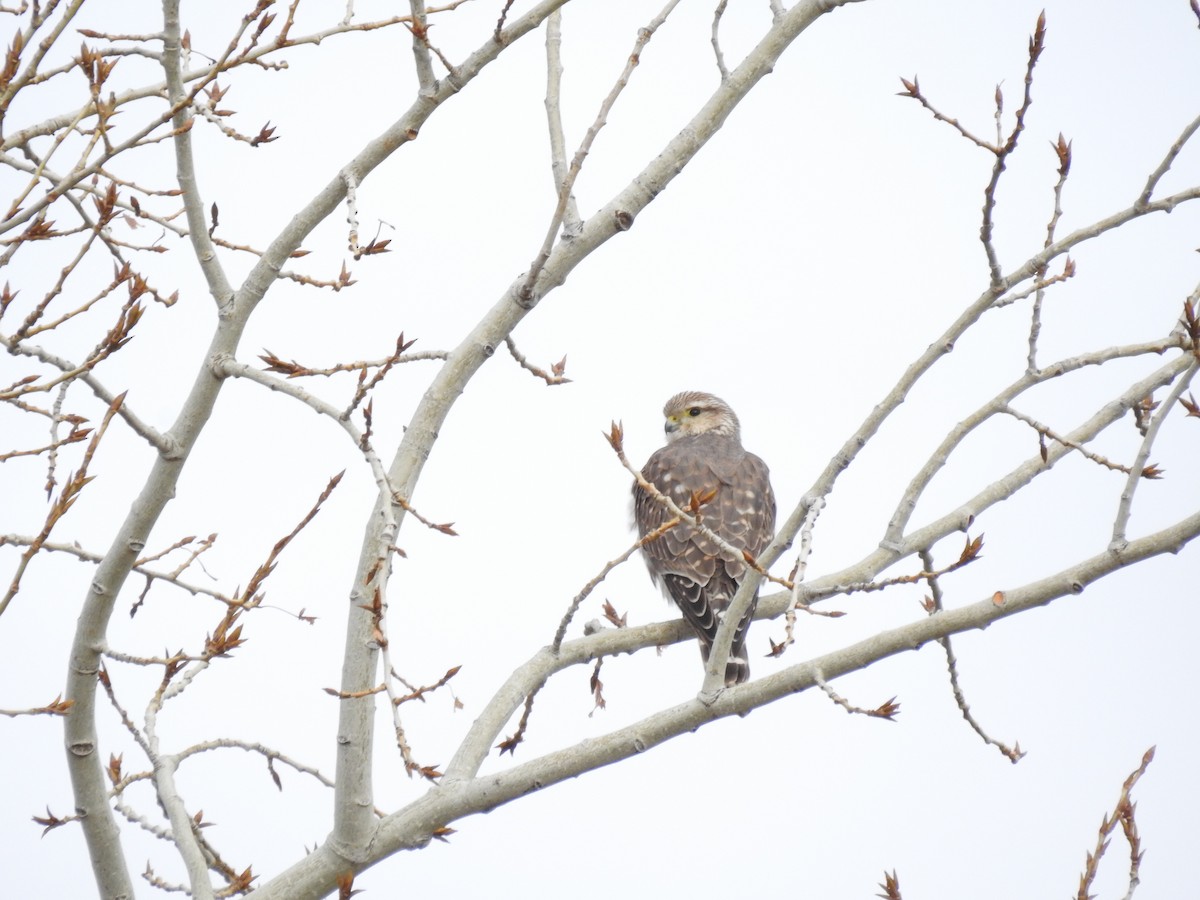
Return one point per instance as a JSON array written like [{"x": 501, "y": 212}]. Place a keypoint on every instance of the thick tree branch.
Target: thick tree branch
[
  {"x": 1138, "y": 470},
  {"x": 471, "y": 794},
  {"x": 131, "y": 536},
  {"x": 354, "y": 829},
  {"x": 360, "y": 835},
  {"x": 944, "y": 345}
]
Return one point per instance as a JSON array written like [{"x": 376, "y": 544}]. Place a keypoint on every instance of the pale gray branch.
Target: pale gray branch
[
  {"x": 1168, "y": 160},
  {"x": 183, "y": 836},
  {"x": 30, "y": 72},
  {"x": 892, "y": 550},
  {"x": 944, "y": 345},
  {"x": 525, "y": 293},
  {"x": 422, "y": 57},
  {"x": 145, "y": 431},
  {"x": 359, "y": 839},
  {"x": 1000, "y": 403},
  {"x": 131, "y": 535},
  {"x": 353, "y": 833},
  {"x": 205, "y": 73},
  {"x": 740, "y": 699},
  {"x": 558, "y": 150},
  {"x": 262, "y": 750},
  {"x": 185, "y": 167},
  {"x": 1136, "y": 470},
  {"x": 716, "y": 38},
  {"x": 464, "y": 793}
]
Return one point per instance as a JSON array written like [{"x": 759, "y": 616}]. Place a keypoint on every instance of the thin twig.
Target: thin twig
[
  {"x": 509, "y": 744},
  {"x": 1063, "y": 150},
  {"x": 1047, "y": 432},
  {"x": 716, "y": 39},
  {"x": 572, "y": 224},
  {"x": 1122, "y": 814},
  {"x": 1138, "y": 469},
  {"x": 1036, "y": 44},
  {"x": 577, "y": 601},
  {"x": 525, "y": 291},
  {"x": 553, "y": 377},
  {"x": 933, "y": 606},
  {"x": 998, "y": 404},
  {"x": 889, "y": 709},
  {"x": 1157, "y": 175},
  {"x": 913, "y": 89},
  {"x": 797, "y": 577},
  {"x": 66, "y": 499}
]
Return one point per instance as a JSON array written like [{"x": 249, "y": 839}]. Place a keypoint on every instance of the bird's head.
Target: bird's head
[{"x": 694, "y": 412}]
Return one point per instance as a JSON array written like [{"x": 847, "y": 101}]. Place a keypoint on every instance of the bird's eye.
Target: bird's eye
[{"x": 694, "y": 411}]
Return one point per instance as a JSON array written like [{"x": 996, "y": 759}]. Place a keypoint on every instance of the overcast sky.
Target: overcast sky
[{"x": 812, "y": 250}]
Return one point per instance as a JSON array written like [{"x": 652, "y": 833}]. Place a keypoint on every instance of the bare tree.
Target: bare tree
[{"x": 109, "y": 195}]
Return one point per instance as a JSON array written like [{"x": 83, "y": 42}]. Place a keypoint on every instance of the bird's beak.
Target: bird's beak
[{"x": 671, "y": 426}]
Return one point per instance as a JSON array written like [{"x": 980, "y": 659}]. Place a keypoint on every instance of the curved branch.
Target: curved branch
[
  {"x": 80, "y": 373},
  {"x": 997, "y": 405},
  {"x": 471, "y": 794},
  {"x": 354, "y": 828},
  {"x": 484, "y": 793},
  {"x": 944, "y": 345},
  {"x": 204, "y": 73},
  {"x": 84, "y": 765},
  {"x": 185, "y": 168},
  {"x": 1138, "y": 469}
]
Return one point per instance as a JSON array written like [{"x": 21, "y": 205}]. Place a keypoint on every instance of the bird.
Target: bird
[{"x": 704, "y": 456}]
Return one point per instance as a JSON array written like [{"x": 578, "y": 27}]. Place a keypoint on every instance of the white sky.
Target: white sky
[{"x": 811, "y": 251}]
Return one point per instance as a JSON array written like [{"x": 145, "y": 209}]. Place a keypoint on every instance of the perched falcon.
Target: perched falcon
[{"x": 704, "y": 454}]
